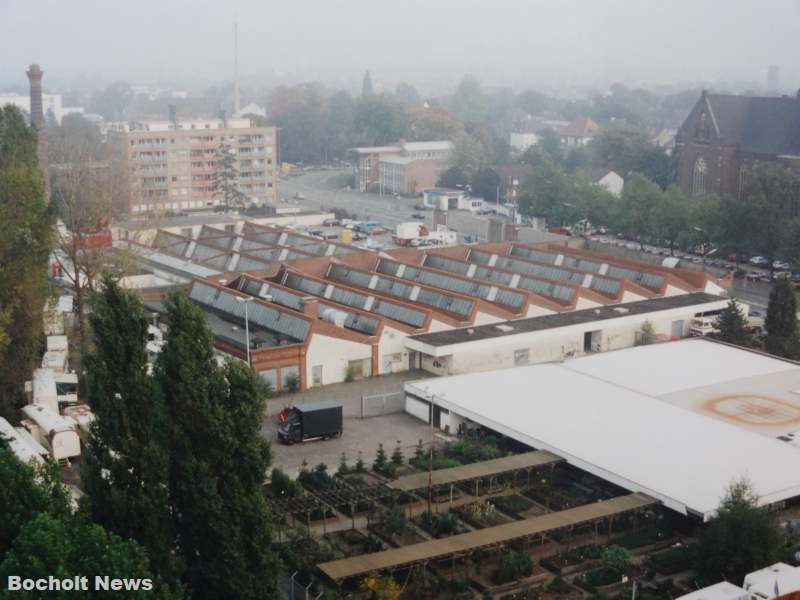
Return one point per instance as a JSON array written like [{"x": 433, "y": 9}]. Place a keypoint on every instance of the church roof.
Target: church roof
[{"x": 761, "y": 125}]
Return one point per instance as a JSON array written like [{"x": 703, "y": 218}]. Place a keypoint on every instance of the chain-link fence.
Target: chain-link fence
[{"x": 382, "y": 404}]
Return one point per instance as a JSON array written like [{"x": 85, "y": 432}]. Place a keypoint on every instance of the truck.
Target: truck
[
  {"x": 407, "y": 233},
  {"x": 311, "y": 421}
]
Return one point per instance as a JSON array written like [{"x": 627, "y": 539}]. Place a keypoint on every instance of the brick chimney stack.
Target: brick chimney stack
[{"x": 35, "y": 75}]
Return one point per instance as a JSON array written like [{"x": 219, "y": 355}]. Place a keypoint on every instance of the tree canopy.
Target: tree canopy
[
  {"x": 743, "y": 537},
  {"x": 26, "y": 236}
]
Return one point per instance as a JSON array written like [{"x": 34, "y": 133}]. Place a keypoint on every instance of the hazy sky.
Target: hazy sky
[{"x": 517, "y": 42}]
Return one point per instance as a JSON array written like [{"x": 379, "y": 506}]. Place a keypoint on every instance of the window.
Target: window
[
  {"x": 699, "y": 176},
  {"x": 288, "y": 372},
  {"x": 270, "y": 377},
  {"x": 521, "y": 357}
]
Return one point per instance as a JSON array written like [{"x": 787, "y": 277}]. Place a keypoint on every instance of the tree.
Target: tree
[
  {"x": 616, "y": 558},
  {"x": 453, "y": 177},
  {"x": 469, "y": 154},
  {"x": 112, "y": 102},
  {"x": 27, "y": 490},
  {"x": 379, "y": 120},
  {"x": 125, "y": 464},
  {"x": 743, "y": 537},
  {"x": 790, "y": 250},
  {"x": 407, "y": 93},
  {"x": 735, "y": 223},
  {"x": 771, "y": 190},
  {"x": 534, "y": 103},
  {"x": 48, "y": 546},
  {"x": 733, "y": 326},
  {"x": 397, "y": 455},
  {"x": 366, "y": 86},
  {"x": 468, "y": 101},
  {"x": 25, "y": 242},
  {"x": 433, "y": 123},
  {"x": 40, "y": 535},
  {"x": 781, "y": 320},
  {"x": 226, "y": 177},
  {"x": 630, "y": 151},
  {"x": 635, "y": 216},
  {"x": 380, "y": 459},
  {"x": 671, "y": 217},
  {"x": 218, "y": 463},
  {"x": 81, "y": 195},
  {"x": 486, "y": 184}
]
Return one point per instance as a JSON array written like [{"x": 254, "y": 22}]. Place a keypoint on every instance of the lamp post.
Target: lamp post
[{"x": 246, "y": 325}]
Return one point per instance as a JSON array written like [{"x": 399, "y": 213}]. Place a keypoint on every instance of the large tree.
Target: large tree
[
  {"x": 771, "y": 190},
  {"x": 671, "y": 217},
  {"x": 81, "y": 193},
  {"x": 25, "y": 241},
  {"x": 630, "y": 151},
  {"x": 41, "y": 536},
  {"x": 486, "y": 184},
  {"x": 743, "y": 537},
  {"x": 225, "y": 182},
  {"x": 218, "y": 463},
  {"x": 125, "y": 464},
  {"x": 636, "y": 209},
  {"x": 781, "y": 320},
  {"x": 733, "y": 325},
  {"x": 27, "y": 490}
]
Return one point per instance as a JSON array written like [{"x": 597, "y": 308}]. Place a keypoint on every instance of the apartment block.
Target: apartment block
[{"x": 169, "y": 166}]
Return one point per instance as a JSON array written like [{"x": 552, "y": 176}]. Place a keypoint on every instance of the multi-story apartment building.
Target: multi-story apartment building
[{"x": 171, "y": 165}]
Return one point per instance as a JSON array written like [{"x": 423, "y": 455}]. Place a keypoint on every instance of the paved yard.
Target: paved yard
[
  {"x": 349, "y": 394},
  {"x": 359, "y": 435}
]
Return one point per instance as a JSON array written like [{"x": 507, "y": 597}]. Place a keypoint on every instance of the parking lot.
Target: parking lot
[{"x": 361, "y": 437}]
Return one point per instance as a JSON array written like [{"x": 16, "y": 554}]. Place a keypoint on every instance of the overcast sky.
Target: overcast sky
[{"x": 522, "y": 43}]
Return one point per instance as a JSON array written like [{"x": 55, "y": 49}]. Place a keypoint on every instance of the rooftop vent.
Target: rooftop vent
[
  {"x": 504, "y": 327},
  {"x": 622, "y": 310},
  {"x": 470, "y": 331}
]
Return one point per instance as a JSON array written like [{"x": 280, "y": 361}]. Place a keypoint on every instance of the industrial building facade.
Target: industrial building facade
[
  {"x": 323, "y": 311},
  {"x": 166, "y": 166}
]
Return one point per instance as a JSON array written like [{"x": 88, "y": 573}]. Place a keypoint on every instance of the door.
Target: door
[
  {"x": 386, "y": 363},
  {"x": 316, "y": 375},
  {"x": 677, "y": 329},
  {"x": 587, "y": 341},
  {"x": 437, "y": 416}
]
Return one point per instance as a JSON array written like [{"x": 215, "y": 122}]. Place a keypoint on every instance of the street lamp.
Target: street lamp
[{"x": 246, "y": 324}]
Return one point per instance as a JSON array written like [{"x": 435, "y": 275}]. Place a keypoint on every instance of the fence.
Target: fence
[
  {"x": 298, "y": 591},
  {"x": 382, "y": 404}
]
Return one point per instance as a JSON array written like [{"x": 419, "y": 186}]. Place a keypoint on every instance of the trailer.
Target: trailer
[
  {"x": 24, "y": 451},
  {"x": 44, "y": 389},
  {"x": 312, "y": 421},
  {"x": 60, "y": 434}
]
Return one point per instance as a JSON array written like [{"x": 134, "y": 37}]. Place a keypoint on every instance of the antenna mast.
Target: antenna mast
[{"x": 236, "y": 66}]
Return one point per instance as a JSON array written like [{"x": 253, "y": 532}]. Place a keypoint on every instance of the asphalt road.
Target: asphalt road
[{"x": 320, "y": 190}]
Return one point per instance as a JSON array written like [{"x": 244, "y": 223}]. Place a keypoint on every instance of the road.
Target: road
[{"x": 320, "y": 190}]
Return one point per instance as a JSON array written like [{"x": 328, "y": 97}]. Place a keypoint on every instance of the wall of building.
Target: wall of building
[
  {"x": 392, "y": 350},
  {"x": 333, "y": 354},
  {"x": 557, "y": 344}
]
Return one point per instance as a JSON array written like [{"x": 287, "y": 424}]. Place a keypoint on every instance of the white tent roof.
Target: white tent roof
[
  {"x": 635, "y": 440},
  {"x": 724, "y": 590}
]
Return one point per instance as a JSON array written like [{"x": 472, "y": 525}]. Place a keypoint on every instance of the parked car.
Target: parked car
[
  {"x": 780, "y": 265},
  {"x": 298, "y": 196},
  {"x": 758, "y": 261},
  {"x": 331, "y": 222},
  {"x": 420, "y": 206},
  {"x": 417, "y": 216}
]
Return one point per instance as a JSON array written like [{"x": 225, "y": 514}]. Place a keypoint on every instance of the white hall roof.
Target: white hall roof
[{"x": 626, "y": 436}]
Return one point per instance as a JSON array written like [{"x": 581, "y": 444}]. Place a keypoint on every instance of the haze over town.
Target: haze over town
[
  {"x": 551, "y": 45},
  {"x": 421, "y": 300}
]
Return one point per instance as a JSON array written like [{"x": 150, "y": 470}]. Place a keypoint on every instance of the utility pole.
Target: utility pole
[
  {"x": 430, "y": 463},
  {"x": 236, "y": 67}
]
